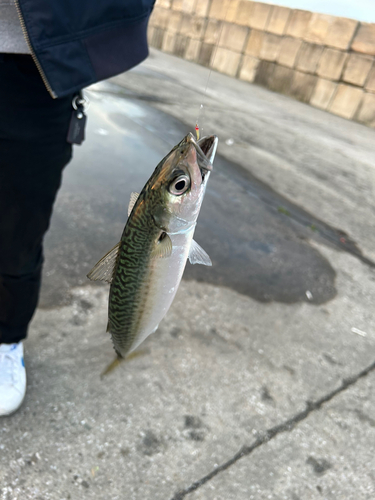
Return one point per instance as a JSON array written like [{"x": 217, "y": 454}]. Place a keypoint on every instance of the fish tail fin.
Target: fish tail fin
[
  {"x": 114, "y": 364},
  {"x": 119, "y": 359}
]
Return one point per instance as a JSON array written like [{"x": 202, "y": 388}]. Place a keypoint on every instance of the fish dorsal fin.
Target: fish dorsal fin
[
  {"x": 198, "y": 256},
  {"x": 103, "y": 270},
  {"x": 133, "y": 199},
  {"x": 163, "y": 247}
]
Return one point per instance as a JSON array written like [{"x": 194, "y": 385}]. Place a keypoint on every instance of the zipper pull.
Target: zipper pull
[{"x": 76, "y": 132}]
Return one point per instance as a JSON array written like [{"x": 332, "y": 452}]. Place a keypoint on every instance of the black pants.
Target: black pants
[{"x": 33, "y": 153}]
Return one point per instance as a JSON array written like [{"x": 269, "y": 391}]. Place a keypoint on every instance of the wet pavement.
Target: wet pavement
[
  {"x": 258, "y": 240},
  {"x": 259, "y": 383}
]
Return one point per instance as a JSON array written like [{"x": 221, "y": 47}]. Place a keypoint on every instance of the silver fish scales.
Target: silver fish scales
[{"x": 145, "y": 268}]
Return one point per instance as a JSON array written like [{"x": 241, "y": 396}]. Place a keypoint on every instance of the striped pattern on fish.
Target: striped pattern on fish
[{"x": 146, "y": 267}]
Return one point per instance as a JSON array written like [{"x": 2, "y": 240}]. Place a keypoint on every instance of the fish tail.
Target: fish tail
[
  {"x": 119, "y": 359},
  {"x": 114, "y": 364}
]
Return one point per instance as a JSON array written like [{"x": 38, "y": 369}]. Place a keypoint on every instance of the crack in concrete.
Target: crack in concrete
[{"x": 269, "y": 434}]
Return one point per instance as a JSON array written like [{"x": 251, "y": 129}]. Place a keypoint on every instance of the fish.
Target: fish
[{"x": 145, "y": 268}]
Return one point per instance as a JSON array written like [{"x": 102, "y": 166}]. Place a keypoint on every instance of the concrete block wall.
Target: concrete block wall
[{"x": 322, "y": 60}]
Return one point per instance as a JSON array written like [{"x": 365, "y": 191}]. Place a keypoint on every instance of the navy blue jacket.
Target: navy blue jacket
[{"x": 78, "y": 42}]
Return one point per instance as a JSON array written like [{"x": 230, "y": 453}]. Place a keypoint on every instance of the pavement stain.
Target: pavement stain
[
  {"x": 266, "y": 396},
  {"x": 86, "y": 305},
  {"x": 192, "y": 422},
  {"x": 319, "y": 465},
  {"x": 175, "y": 332},
  {"x": 194, "y": 428},
  {"x": 150, "y": 444},
  {"x": 265, "y": 254}
]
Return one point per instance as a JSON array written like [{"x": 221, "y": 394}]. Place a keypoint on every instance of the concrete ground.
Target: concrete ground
[{"x": 259, "y": 383}]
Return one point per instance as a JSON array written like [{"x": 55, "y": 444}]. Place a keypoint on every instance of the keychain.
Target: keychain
[{"x": 76, "y": 132}]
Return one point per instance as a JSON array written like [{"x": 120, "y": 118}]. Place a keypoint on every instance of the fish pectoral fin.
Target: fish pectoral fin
[
  {"x": 163, "y": 247},
  {"x": 132, "y": 202},
  {"x": 103, "y": 270},
  {"x": 198, "y": 256}
]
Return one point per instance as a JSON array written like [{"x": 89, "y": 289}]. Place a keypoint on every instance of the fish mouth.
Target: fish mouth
[
  {"x": 208, "y": 145},
  {"x": 206, "y": 149}
]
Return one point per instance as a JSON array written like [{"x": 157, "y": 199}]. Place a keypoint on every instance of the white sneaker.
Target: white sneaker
[{"x": 12, "y": 378}]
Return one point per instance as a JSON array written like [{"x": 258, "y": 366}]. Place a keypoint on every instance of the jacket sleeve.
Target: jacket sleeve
[{"x": 77, "y": 43}]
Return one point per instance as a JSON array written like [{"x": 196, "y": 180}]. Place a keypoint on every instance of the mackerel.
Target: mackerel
[{"x": 145, "y": 268}]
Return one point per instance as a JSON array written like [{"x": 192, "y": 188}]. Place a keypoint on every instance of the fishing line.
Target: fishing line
[{"x": 201, "y": 107}]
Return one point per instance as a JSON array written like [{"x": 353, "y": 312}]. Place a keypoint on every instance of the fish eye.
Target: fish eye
[{"x": 179, "y": 185}]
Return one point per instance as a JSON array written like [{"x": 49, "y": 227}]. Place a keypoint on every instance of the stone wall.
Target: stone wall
[{"x": 322, "y": 60}]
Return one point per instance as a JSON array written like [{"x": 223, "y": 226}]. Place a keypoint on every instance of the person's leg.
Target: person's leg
[
  {"x": 28, "y": 186},
  {"x": 33, "y": 153}
]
